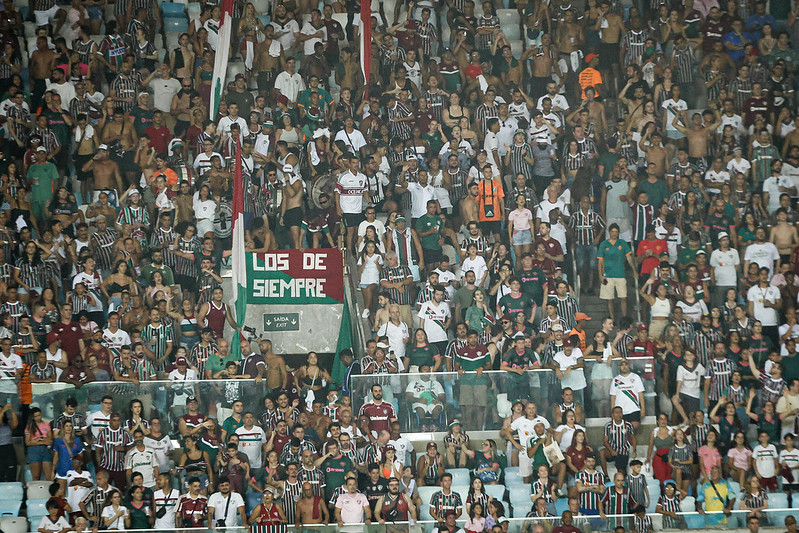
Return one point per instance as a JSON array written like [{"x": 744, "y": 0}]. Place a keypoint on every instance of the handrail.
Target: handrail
[
  {"x": 355, "y": 301},
  {"x": 577, "y": 283},
  {"x": 375, "y": 526}
]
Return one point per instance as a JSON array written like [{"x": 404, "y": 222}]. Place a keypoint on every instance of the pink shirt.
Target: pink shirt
[
  {"x": 710, "y": 456},
  {"x": 521, "y": 219},
  {"x": 740, "y": 458},
  {"x": 351, "y": 506}
]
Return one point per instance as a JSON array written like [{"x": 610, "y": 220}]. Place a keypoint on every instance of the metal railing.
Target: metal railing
[{"x": 687, "y": 520}]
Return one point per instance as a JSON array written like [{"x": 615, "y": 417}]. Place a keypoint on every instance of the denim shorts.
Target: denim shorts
[
  {"x": 522, "y": 237},
  {"x": 39, "y": 454}
]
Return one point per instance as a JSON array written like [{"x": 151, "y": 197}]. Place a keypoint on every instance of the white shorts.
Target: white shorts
[
  {"x": 205, "y": 225},
  {"x": 43, "y": 18},
  {"x": 525, "y": 464},
  {"x": 426, "y": 407}
]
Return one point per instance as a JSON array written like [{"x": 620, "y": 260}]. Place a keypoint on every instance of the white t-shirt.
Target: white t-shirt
[
  {"x": 420, "y": 195},
  {"x": 97, "y": 421},
  {"x": 690, "y": 380},
  {"x": 725, "y": 267},
  {"x": 251, "y": 442},
  {"x": 525, "y": 428},
  {"x": 76, "y": 494},
  {"x": 143, "y": 462},
  {"x": 490, "y": 144},
  {"x": 350, "y": 188},
  {"x": 432, "y": 314},
  {"x": 109, "y": 512},
  {"x": 758, "y": 295},
  {"x": 764, "y": 460},
  {"x": 225, "y": 122},
  {"x": 791, "y": 458},
  {"x": 717, "y": 179},
  {"x": 204, "y": 209},
  {"x": 576, "y": 378},
  {"x": 763, "y": 254},
  {"x": 169, "y": 502},
  {"x": 60, "y": 524},
  {"x": 402, "y": 446},
  {"x": 163, "y": 91},
  {"x": 8, "y": 371},
  {"x": 626, "y": 390},
  {"x": 741, "y": 166},
  {"x": 115, "y": 340},
  {"x": 161, "y": 446},
  {"x": 772, "y": 185},
  {"x": 219, "y": 502},
  {"x": 567, "y": 435},
  {"x": 354, "y": 140},
  {"x": 671, "y": 107},
  {"x": 476, "y": 265},
  {"x": 308, "y": 29}
]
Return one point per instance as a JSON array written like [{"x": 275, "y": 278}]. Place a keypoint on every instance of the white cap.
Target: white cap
[{"x": 134, "y": 191}]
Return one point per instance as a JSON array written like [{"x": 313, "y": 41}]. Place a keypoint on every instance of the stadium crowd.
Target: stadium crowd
[{"x": 498, "y": 169}]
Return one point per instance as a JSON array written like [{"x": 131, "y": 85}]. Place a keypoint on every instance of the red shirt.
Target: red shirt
[
  {"x": 657, "y": 246},
  {"x": 69, "y": 334},
  {"x": 159, "y": 138},
  {"x": 380, "y": 416},
  {"x": 551, "y": 245}
]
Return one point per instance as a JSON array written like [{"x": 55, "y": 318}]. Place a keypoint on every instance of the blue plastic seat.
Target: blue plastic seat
[
  {"x": 11, "y": 490},
  {"x": 172, "y": 9},
  {"x": 10, "y": 507},
  {"x": 176, "y": 24}
]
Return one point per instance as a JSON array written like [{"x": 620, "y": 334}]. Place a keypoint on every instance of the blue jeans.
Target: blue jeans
[{"x": 585, "y": 257}]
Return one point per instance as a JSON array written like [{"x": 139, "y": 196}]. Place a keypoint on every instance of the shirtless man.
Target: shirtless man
[
  {"x": 544, "y": 58},
  {"x": 469, "y": 207},
  {"x": 42, "y": 63},
  {"x": 269, "y": 59},
  {"x": 276, "y": 375},
  {"x": 311, "y": 509},
  {"x": 784, "y": 235},
  {"x": 291, "y": 206},
  {"x": 698, "y": 136},
  {"x": 570, "y": 38},
  {"x": 654, "y": 151},
  {"x": 106, "y": 175},
  {"x": 218, "y": 178},
  {"x": 596, "y": 111},
  {"x": 116, "y": 127},
  {"x": 611, "y": 29},
  {"x": 348, "y": 72}
]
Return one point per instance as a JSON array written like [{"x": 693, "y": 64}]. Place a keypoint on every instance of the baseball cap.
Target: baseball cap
[
  {"x": 581, "y": 316},
  {"x": 432, "y": 445},
  {"x": 557, "y": 327},
  {"x": 723, "y": 234},
  {"x": 103, "y": 147},
  {"x": 239, "y": 76},
  {"x": 701, "y": 252},
  {"x": 642, "y": 327},
  {"x": 382, "y": 345},
  {"x": 41, "y": 149},
  {"x": 191, "y": 399},
  {"x": 590, "y": 57},
  {"x": 454, "y": 422},
  {"x": 567, "y": 343},
  {"x": 134, "y": 191}
]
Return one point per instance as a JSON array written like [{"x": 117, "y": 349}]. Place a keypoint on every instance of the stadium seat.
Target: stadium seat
[
  {"x": 193, "y": 10},
  {"x": 38, "y": 490},
  {"x": 14, "y": 524},
  {"x": 11, "y": 490},
  {"x": 27, "y": 473},
  {"x": 460, "y": 476},
  {"x": 261, "y": 6},
  {"x": 519, "y": 494},
  {"x": 516, "y": 47},
  {"x": 30, "y": 29},
  {"x": 10, "y": 507},
  {"x": 694, "y": 521},
  {"x": 495, "y": 491},
  {"x": 173, "y": 9},
  {"x": 36, "y": 508},
  {"x": 561, "y": 504},
  {"x": 654, "y": 495},
  {"x": 778, "y": 500},
  {"x": 180, "y": 25},
  {"x": 520, "y": 512},
  {"x": 172, "y": 39},
  {"x": 425, "y": 493}
]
